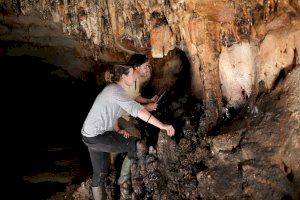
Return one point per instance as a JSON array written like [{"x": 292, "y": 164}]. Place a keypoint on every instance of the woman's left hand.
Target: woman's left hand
[
  {"x": 151, "y": 106},
  {"x": 125, "y": 133}
]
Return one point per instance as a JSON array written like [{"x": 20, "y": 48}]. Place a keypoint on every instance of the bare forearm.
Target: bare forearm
[
  {"x": 142, "y": 100},
  {"x": 149, "y": 118}
]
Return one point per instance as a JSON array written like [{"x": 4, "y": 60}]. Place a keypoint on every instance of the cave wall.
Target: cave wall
[
  {"x": 112, "y": 30},
  {"x": 253, "y": 156},
  {"x": 236, "y": 49}
]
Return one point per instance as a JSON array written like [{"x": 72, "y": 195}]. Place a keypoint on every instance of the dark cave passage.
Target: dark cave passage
[{"x": 45, "y": 111}]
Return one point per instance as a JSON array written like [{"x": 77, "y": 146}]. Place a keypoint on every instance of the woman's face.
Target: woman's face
[
  {"x": 129, "y": 78},
  {"x": 144, "y": 69}
]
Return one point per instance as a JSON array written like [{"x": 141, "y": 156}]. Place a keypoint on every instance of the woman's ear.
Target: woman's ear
[{"x": 122, "y": 76}]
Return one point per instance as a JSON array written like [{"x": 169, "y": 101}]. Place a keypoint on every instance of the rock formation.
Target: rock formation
[{"x": 241, "y": 55}]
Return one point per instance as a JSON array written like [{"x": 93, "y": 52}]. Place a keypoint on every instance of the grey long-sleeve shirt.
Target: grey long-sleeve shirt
[{"x": 106, "y": 110}]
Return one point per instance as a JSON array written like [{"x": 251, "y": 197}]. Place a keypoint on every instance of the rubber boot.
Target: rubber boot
[
  {"x": 125, "y": 179},
  {"x": 99, "y": 193},
  {"x": 113, "y": 158}
]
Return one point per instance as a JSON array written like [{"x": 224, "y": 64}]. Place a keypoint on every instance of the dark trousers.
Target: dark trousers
[{"x": 99, "y": 148}]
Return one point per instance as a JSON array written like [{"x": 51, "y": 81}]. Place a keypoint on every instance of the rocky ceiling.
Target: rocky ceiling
[{"x": 232, "y": 45}]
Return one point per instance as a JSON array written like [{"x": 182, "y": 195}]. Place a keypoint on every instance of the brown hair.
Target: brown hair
[
  {"x": 137, "y": 60},
  {"x": 118, "y": 71}
]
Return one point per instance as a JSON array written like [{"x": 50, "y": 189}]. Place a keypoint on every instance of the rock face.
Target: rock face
[
  {"x": 237, "y": 73},
  {"x": 239, "y": 53},
  {"x": 112, "y": 30},
  {"x": 253, "y": 157}
]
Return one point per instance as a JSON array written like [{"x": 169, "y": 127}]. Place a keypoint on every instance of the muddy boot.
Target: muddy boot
[
  {"x": 125, "y": 179},
  {"x": 99, "y": 193},
  {"x": 113, "y": 158}
]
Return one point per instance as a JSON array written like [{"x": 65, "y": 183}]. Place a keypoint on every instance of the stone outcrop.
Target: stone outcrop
[{"x": 254, "y": 156}]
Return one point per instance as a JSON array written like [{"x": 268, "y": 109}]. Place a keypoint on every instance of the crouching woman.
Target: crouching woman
[{"x": 101, "y": 133}]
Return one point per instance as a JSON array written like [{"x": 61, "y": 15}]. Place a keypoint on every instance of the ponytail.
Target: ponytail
[{"x": 118, "y": 71}]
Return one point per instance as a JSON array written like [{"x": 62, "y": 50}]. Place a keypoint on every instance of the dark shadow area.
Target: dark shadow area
[
  {"x": 45, "y": 110},
  {"x": 177, "y": 107},
  {"x": 37, "y": 191}
]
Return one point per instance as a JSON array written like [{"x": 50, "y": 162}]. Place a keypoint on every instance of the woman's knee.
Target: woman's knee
[{"x": 131, "y": 155}]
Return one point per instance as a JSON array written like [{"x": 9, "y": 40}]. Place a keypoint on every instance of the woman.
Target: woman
[{"x": 101, "y": 132}]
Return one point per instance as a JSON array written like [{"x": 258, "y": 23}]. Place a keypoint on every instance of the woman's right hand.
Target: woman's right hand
[
  {"x": 170, "y": 129},
  {"x": 154, "y": 98}
]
